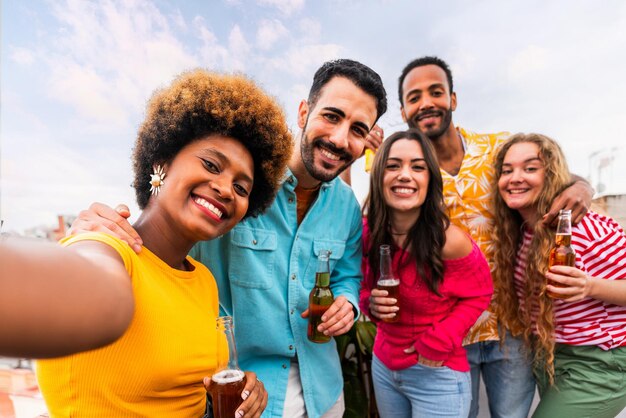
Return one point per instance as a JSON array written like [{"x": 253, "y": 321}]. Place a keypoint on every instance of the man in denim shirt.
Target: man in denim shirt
[{"x": 265, "y": 267}]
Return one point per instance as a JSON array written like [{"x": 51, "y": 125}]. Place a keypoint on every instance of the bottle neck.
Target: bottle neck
[
  {"x": 386, "y": 271},
  {"x": 226, "y": 326},
  {"x": 322, "y": 279},
  {"x": 564, "y": 227},
  {"x": 322, "y": 276}
]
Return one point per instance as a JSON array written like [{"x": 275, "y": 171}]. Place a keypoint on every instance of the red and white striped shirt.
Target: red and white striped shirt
[{"x": 600, "y": 246}]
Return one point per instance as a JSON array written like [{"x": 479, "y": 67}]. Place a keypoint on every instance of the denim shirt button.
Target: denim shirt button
[
  {"x": 291, "y": 347},
  {"x": 254, "y": 242},
  {"x": 284, "y": 366},
  {"x": 293, "y": 277},
  {"x": 290, "y": 200}
]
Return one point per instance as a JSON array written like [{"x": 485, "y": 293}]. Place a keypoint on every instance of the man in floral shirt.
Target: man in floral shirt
[{"x": 427, "y": 101}]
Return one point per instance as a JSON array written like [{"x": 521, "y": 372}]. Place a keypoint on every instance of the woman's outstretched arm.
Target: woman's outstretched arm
[{"x": 55, "y": 301}]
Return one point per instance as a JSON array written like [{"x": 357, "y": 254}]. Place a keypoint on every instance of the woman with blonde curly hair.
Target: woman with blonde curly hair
[
  {"x": 579, "y": 338},
  {"x": 211, "y": 152}
]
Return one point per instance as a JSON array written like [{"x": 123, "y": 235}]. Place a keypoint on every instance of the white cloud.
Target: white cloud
[
  {"x": 179, "y": 20},
  {"x": 310, "y": 29},
  {"x": 22, "y": 56},
  {"x": 531, "y": 60},
  {"x": 239, "y": 49},
  {"x": 110, "y": 56},
  {"x": 303, "y": 60},
  {"x": 99, "y": 61},
  {"x": 269, "y": 32},
  {"x": 286, "y": 7},
  {"x": 87, "y": 91}
]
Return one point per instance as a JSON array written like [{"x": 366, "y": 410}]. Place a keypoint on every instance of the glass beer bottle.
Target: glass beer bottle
[
  {"x": 320, "y": 298},
  {"x": 388, "y": 280},
  {"x": 228, "y": 383},
  {"x": 562, "y": 253}
]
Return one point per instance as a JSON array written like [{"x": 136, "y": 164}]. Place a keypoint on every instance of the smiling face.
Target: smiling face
[
  {"x": 207, "y": 187},
  {"x": 522, "y": 179},
  {"x": 405, "y": 178},
  {"x": 334, "y": 129},
  {"x": 427, "y": 103}
]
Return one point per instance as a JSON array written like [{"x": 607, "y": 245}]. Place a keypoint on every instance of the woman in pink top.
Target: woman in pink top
[
  {"x": 579, "y": 339},
  {"x": 419, "y": 367}
]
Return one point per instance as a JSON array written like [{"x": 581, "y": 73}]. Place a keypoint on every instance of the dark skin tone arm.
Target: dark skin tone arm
[{"x": 576, "y": 197}]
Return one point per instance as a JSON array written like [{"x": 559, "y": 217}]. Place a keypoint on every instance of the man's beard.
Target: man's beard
[
  {"x": 307, "y": 148},
  {"x": 433, "y": 134}
]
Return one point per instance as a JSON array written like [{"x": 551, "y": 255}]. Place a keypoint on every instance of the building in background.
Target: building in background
[
  {"x": 607, "y": 175},
  {"x": 51, "y": 233}
]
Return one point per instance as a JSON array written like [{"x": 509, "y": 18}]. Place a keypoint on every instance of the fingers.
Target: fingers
[
  {"x": 338, "y": 319},
  {"x": 381, "y": 306},
  {"x": 123, "y": 210},
  {"x": 576, "y": 198},
  {"x": 254, "y": 397},
  {"x": 570, "y": 283},
  {"x": 305, "y": 314},
  {"x": 102, "y": 218},
  {"x": 551, "y": 218},
  {"x": 374, "y": 138},
  {"x": 429, "y": 363},
  {"x": 410, "y": 350},
  {"x": 579, "y": 212},
  {"x": 581, "y": 197}
]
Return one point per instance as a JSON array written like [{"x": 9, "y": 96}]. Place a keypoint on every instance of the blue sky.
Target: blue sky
[{"x": 75, "y": 76}]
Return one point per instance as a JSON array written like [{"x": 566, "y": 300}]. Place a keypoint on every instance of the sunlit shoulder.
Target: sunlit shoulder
[{"x": 458, "y": 243}]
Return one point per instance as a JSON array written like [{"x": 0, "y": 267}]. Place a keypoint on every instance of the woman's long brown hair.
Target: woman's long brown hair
[{"x": 507, "y": 238}]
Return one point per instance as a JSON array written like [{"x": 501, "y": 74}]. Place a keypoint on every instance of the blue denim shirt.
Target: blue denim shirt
[{"x": 265, "y": 268}]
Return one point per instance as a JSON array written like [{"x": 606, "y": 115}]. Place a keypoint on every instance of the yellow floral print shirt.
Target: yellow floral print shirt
[{"x": 468, "y": 197}]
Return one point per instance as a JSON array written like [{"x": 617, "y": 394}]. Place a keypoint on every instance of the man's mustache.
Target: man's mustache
[
  {"x": 332, "y": 148},
  {"x": 425, "y": 114}
]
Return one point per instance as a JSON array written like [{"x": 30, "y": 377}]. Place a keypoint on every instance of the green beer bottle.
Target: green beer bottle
[{"x": 320, "y": 298}]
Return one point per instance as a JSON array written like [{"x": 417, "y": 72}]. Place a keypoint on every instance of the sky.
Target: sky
[{"x": 75, "y": 76}]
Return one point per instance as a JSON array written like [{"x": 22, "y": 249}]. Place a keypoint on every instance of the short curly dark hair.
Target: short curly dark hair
[{"x": 201, "y": 103}]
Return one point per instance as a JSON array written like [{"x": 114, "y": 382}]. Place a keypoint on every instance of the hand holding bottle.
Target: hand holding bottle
[
  {"x": 338, "y": 319},
  {"x": 254, "y": 396},
  {"x": 389, "y": 283},
  {"x": 382, "y": 306},
  {"x": 569, "y": 283}
]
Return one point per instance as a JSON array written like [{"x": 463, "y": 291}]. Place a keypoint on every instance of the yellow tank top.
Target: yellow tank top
[{"x": 156, "y": 368}]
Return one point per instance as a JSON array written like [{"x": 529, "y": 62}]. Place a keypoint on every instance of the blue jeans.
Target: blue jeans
[
  {"x": 420, "y": 391},
  {"x": 507, "y": 373}
]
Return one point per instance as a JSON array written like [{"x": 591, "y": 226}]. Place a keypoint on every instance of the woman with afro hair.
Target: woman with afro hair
[{"x": 210, "y": 152}]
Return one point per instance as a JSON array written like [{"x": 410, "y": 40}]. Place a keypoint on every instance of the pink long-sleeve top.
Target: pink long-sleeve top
[{"x": 435, "y": 325}]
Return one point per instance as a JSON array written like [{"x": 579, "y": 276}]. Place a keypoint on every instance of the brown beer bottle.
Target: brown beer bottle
[
  {"x": 562, "y": 253},
  {"x": 228, "y": 383},
  {"x": 320, "y": 299},
  {"x": 388, "y": 280}
]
